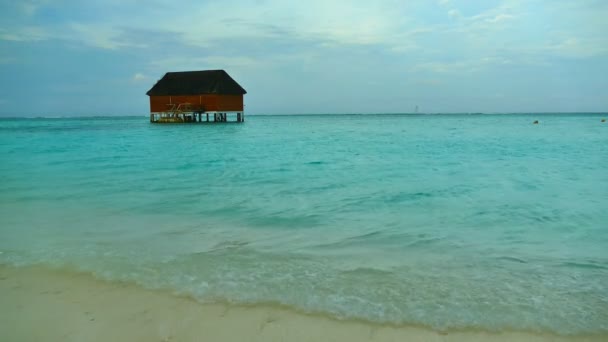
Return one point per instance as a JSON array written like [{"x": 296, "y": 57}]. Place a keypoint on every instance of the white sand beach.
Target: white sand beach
[{"x": 38, "y": 304}]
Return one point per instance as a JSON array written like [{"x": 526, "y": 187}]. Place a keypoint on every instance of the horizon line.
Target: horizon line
[{"x": 310, "y": 114}]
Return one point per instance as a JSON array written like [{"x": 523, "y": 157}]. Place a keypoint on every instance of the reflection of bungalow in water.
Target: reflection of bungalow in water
[{"x": 187, "y": 96}]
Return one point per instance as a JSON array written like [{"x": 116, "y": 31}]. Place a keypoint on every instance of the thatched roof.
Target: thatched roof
[{"x": 195, "y": 83}]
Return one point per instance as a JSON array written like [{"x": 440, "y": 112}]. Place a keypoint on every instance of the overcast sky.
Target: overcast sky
[{"x": 99, "y": 57}]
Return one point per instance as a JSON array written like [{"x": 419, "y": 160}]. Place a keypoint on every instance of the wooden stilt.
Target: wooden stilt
[{"x": 194, "y": 117}]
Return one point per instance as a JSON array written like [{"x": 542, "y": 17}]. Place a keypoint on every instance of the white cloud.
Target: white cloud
[
  {"x": 496, "y": 60},
  {"x": 443, "y": 67},
  {"x": 577, "y": 48},
  {"x": 139, "y": 77},
  {"x": 98, "y": 35},
  {"x": 466, "y": 65},
  {"x": 340, "y": 21},
  {"x": 386, "y": 25},
  {"x": 210, "y": 62},
  {"x": 500, "y": 18},
  {"x": 454, "y": 14},
  {"x": 24, "y": 34},
  {"x": 31, "y": 7}
]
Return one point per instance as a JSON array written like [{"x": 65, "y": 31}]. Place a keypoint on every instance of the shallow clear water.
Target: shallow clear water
[{"x": 450, "y": 221}]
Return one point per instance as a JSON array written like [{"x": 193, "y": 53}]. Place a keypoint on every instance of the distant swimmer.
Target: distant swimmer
[
  {"x": 535, "y": 122},
  {"x": 603, "y": 120}
]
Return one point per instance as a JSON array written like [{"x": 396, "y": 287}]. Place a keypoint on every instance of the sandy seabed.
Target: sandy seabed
[{"x": 40, "y": 304}]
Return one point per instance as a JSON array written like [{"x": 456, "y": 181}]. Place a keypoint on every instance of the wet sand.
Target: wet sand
[{"x": 40, "y": 304}]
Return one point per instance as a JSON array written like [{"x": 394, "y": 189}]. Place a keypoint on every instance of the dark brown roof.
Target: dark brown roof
[{"x": 195, "y": 83}]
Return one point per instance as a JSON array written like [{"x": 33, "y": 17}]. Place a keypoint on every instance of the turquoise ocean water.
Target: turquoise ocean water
[{"x": 449, "y": 221}]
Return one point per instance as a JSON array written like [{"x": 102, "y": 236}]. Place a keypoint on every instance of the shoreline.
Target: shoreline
[{"x": 40, "y": 303}]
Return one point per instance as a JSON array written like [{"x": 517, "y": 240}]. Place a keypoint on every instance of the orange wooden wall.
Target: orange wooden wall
[
  {"x": 230, "y": 103},
  {"x": 210, "y": 102}
]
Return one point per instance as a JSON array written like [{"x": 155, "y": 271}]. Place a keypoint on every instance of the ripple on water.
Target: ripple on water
[{"x": 469, "y": 221}]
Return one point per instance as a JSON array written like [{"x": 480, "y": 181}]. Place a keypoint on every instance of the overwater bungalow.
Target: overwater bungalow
[{"x": 191, "y": 96}]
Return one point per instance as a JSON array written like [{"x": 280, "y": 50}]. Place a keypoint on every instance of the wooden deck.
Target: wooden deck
[{"x": 185, "y": 113}]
